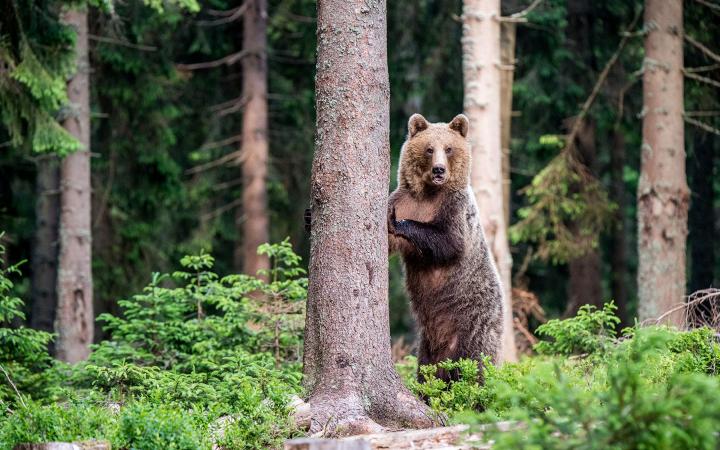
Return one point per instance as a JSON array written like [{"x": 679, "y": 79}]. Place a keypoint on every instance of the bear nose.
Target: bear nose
[{"x": 438, "y": 170}]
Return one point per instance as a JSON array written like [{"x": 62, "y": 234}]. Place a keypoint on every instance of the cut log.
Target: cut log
[
  {"x": 445, "y": 438},
  {"x": 88, "y": 445},
  {"x": 458, "y": 437}
]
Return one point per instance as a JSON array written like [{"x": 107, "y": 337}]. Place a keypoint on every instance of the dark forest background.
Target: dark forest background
[{"x": 160, "y": 129}]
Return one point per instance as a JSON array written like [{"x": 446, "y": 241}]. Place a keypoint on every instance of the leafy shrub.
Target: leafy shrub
[
  {"x": 616, "y": 406},
  {"x": 33, "y": 422},
  {"x": 651, "y": 389},
  {"x": 450, "y": 397},
  {"x": 191, "y": 349},
  {"x": 23, "y": 351},
  {"x": 590, "y": 331},
  {"x": 150, "y": 426}
]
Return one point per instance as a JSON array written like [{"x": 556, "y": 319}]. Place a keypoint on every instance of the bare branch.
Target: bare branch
[
  {"x": 228, "y": 60},
  {"x": 702, "y": 68},
  {"x": 230, "y": 16},
  {"x": 22, "y": 401},
  {"x": 710, "y": 54},
  {"x": 577, "y": 124},
  {"x": 230, "y": 106},
  {"x": 217, "y": 212},
  {"x": 526, "y": 11},
  {"x": 702, "y": 113},
  {"x": 113, "y": 41},
  {"x": 236, "y": 156},
  {"x": 713, "y": 7},
  {"x": 702, "y": 79},
  {"x": 701, "y": 125}
]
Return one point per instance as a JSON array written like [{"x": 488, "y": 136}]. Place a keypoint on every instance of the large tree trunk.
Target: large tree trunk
[
  {"x": 45, "y": 243},
  {"x": 584, "y": 285},
  {"x": 662, "y": 188},
  {"x": 349, "y": 374},
  {"x": 618, "y": 257},
  {"x": 75, "y": 319},
  {"x": 481, "y": 76},
  {"x": 252, "y": 220},
  {"x": 702, "y": 212}
]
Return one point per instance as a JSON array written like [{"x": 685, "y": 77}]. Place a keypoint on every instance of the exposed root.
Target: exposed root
[{"x": 343, "y": 414}]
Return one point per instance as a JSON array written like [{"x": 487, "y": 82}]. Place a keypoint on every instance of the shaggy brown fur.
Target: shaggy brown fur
[{"x": 433, "y": 223}]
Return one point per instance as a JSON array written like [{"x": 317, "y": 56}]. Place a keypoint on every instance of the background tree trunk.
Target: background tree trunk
[
  {"x": 584, "y": 284},
  {"x": 702, "y": 212},
  {"x": 74, "y": 321},
  {"x": 662, "y": 188},
  {"x": 507, "y": 58},
  {"x": 45, "y": 244},
  {"x": 481, "y": 76},
  {"x": 252, "y": 219},
  {"x": 619, "y": 254},
  {"x": 348, "y": 370}
]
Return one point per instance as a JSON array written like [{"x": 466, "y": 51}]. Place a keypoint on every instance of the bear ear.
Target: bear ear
[
  {"x": 416, "y": 124},
  {"x": 460, "y": 124}
]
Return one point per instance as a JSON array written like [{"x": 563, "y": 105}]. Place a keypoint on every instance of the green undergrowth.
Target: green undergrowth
[
  {"x": 648, "y": 388},
  {"x": 196, "y": 359},
  {"x": 191, "y": 352}
]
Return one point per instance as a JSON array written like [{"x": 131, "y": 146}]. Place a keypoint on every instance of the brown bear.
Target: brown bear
[{"x": 433, "y": 223}]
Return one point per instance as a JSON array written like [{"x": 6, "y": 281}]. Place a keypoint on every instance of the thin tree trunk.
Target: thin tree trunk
[
  {"x": 702, "y": 214},
  {"x": 349, "y": 374},
  {"x": 662, "y": 188},
  {"x": 252, "y": 219},
  {"x": 618, "y": 257},
  {"x": 584, "y": 284},
  {"x": 481, "y": 76},
  {"x": 45, "y": 243},
  {"x": 507, "y": 57},
  {"x": 74, "y": 321}
]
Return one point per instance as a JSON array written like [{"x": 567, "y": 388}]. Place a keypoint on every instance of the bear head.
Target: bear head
[{"x": 435, "y": 156}]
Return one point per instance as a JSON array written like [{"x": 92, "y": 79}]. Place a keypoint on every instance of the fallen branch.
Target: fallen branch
[{"x": 687, "y": 303}]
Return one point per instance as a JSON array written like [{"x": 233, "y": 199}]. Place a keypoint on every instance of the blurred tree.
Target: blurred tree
[
  {"x": 662, "y": 190},
  {"x": 252, "y": 218},
  {"x": 482, "y": 83},
  {"x": 75, "y": 319},
  {"x": 45, "y": 255},
  {"x": 584, "y": 271}
]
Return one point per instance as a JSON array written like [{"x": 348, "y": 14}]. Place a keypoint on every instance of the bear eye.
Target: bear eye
[
  {"x": 448, "y": 151},
  {"x": 429, "y": 151}
]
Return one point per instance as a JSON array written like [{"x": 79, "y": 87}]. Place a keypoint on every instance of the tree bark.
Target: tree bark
[
  {"x": 618, "y": 257},
  {"x": 702, "y": 213},
  {"x": 252, "y": 220},
  {"x": 75, "y": 319},
  {"x": 482, "y": 82},
  {"x": 662, "y": 189},
  {"x": 352, "y": 383},
  {"x": 45, "y": 243}
]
